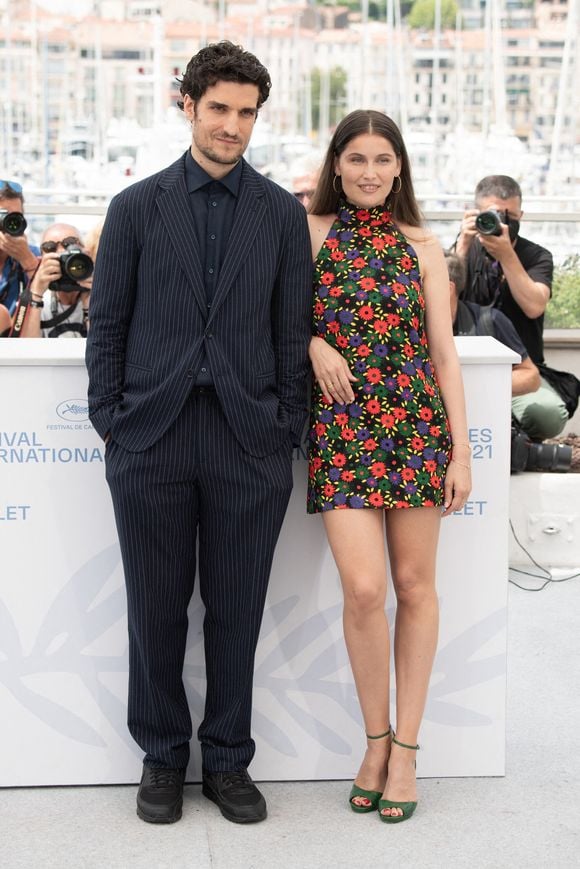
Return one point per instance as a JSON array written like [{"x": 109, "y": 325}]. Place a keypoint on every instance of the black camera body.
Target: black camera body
[
  {"x": 490, "y": 222},
  {"x": 12, "y": 222},
  {"x": 75, "y": 266},
  {"x": 529, "y": 456}
]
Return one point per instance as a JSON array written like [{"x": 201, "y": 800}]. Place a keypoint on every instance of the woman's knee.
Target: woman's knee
[
  {"x": 363, "y": 596},
  {"x": 413, "y": 587}
]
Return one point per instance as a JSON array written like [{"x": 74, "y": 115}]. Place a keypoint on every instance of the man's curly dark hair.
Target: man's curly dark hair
[{"x": 223, "y": 61}]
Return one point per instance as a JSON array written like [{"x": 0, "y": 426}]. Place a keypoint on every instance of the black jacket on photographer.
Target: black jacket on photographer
[{"x": 486, "y": 285}]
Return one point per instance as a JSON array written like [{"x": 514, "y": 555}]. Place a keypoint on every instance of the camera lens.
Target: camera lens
[
  {"x": 549, "y": 457},
  {"x": 488, "y": 223},
  {"x": 13, "y": 223},
  {"x": 77, "y": 266}
]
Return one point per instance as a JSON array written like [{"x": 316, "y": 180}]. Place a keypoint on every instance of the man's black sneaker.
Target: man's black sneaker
[
  {"x": 160, "y": 795},
  {"x": 236, "y": 795}
]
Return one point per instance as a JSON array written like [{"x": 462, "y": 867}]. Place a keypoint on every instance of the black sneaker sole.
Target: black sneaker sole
[
  {"x": 230, "y": 816},
  {"x": 156, "y": 819}
]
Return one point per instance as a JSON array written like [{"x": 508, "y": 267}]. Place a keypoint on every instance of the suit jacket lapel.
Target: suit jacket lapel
[
  {"x": 175, "y": 210},
  {"x": 250, "y": 210}
]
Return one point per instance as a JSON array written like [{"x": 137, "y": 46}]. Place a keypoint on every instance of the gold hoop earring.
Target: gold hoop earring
[
  {"x": 334, "y": 184},
  {"x": 398, "y": 190}
]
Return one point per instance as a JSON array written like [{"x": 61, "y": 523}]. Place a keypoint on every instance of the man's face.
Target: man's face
[
  {"x": 304, "y": 186},
  {"x": 222, "y": 122},
  {"x": 11, "y": 205}
]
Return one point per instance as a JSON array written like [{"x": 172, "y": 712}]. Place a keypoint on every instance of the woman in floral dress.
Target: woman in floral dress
[{"x": 388, "y": 444}]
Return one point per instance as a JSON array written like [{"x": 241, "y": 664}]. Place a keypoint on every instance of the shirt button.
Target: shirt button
[
  {"x": 210, "y": 270},
  {"x": 214, "y": 203},
  {"x": 204, "y": 370},
  {"x": 212, "y": 236}
]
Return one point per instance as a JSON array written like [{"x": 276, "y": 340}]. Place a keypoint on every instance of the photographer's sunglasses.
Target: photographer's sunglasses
[
  {"x": 14, "y": 186},
  {"x": 52, "y": 246}
]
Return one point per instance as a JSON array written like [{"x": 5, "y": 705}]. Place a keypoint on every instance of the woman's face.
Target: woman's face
[{"x": 367, "y": 167}]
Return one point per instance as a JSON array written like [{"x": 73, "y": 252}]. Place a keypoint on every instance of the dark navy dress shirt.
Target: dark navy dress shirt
[{"x": 213, "y": 204}]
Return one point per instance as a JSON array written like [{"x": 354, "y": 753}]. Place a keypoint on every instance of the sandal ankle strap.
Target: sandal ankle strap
[
  {"x": 380, "y": 735},
  {"x": 404, "y": 744}
]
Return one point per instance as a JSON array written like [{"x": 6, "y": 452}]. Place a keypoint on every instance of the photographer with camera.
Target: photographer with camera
[
  {"x": 18, "y": 260},
  {"x": 514, "y": 275},
  {"x": 58, "y": 306}
]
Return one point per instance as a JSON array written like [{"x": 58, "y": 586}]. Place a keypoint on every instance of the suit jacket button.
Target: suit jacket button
[{"x": 209, "y": 335}]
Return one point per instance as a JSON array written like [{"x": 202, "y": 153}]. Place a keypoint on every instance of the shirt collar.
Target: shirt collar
[{"x": 196, "y": 176}]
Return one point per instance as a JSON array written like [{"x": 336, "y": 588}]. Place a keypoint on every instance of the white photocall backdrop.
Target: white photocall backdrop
[{"x": 63, "y": 644}]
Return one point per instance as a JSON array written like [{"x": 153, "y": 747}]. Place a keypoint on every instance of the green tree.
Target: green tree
[
  {"x": 563, "y": 311},
  {"x": 422, "y": 14},
  {"x": 337, "y": 96}
]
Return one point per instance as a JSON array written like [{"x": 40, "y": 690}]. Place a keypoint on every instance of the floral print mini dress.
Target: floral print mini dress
[{"x": 390, "y": 447}]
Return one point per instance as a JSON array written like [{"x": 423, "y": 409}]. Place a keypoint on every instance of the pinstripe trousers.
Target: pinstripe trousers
[{"x": 196, "y": 478}]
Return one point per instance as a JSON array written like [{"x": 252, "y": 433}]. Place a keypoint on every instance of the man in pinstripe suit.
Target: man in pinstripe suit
[{"x": 197, "y": 359}]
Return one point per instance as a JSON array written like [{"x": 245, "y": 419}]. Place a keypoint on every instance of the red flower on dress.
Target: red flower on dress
[
  {"x": 406, "y": 263},
  {"x": 368, "y": 283},
  {"x": 430, "y": 465},
  {"x": 417, "y": 443},
  {"x": 342, "y": 341},
  {"x": 435, "y": 430},
  {"x": 378, "y": 243},
  {"x": 331, "y": 243},
  {"x": 366, "y": 312},
  {"x": 320, "y": 429},
  {"x": 393, "y": 319},
  {"x": 403, "y": 380},
  {"x": 408, "y": 474},
  {"x": 347, "y": 476},
  {"x": 359, "y": 263},
  {"x": 341, "y": 418},
  {"x": 348, "y": 434},
  {"x": 333, "y": 327},
  {"x": 426, "y": 413},
  {"x": 399, "y": 289},
  {"x": 337, "y": 256},
  {"x": 373, "y": 375},
  {"x": 388, "y": 420},
  {"x": 376, "y": 499},
  {"x": 400, "y": 413},
  {"x": 378, "y": 469},
  {"x": 373, "y": 406},
  {"x": 363, "y": 350},
  {"x": 380, "y": 327},
  {"x": 327, "y": 279},
  {"x": 329, "y": 490},
  {"x": 370, "y": 444},
  {"x": 339, "y": 460}
]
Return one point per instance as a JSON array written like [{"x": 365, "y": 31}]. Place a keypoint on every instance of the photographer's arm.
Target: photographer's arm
[
  {"x": 48, "y": 270},
  {"x": 17, "y": 248},
  {"x": 525, "y": 377},
  {"x": 467, "y": 233}
]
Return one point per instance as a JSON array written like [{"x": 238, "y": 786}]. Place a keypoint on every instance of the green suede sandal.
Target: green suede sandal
[
  {"x": 372, "y": 796},
  {"x": 406, "y": 808}
]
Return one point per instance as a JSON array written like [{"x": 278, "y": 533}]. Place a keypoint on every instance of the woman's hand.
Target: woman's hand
[
  {"x": 331, "y": 372},
  {"x": 457, "y": 486}
]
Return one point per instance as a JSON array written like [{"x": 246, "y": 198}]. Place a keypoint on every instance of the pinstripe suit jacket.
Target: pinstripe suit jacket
[{"x": 150, "y": 321}]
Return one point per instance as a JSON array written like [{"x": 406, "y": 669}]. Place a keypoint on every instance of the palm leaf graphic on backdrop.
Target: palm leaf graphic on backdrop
[{"x": 60, "y": 647}]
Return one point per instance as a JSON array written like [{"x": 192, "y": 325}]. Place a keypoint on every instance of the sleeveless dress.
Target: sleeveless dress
[{"x": 390, "y": 447}]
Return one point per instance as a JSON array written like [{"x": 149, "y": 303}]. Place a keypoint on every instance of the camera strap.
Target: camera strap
[{"x": 57, "y": 324}]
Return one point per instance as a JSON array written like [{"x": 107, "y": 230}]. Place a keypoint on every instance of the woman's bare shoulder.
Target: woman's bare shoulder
[{"x": 319, "y": 225}]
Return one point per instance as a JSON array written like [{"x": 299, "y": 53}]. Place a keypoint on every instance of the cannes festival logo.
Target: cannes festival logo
[{"x": 73, "y": 409}]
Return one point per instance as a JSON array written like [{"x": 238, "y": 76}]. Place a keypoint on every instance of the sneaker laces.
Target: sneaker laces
[
  {"x": 164, "y": 778},
  {"x": 239, "y": 779}
]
